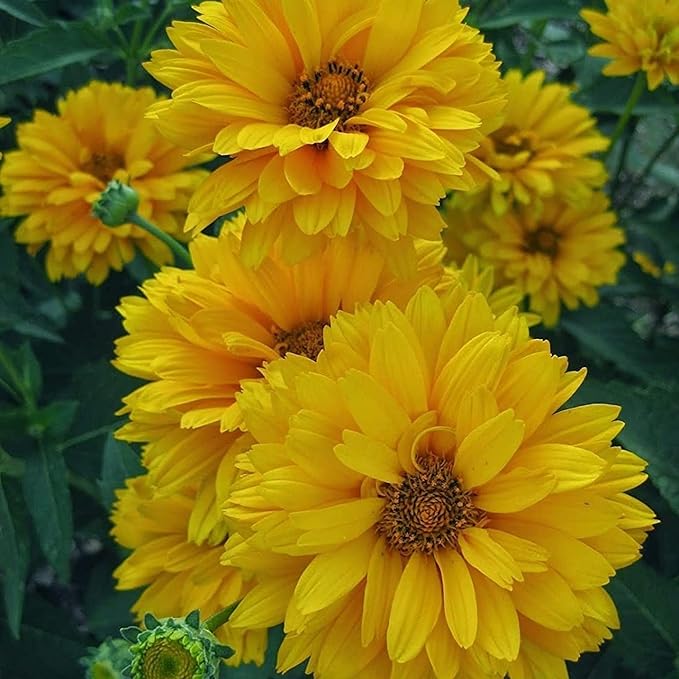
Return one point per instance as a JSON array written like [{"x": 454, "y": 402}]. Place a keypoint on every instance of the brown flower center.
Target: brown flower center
[
  {"x": 104, "y": 165},
  {"x": 510, "y": 141},
  {"x": 427, "y": 510},
  {"x": 544, "y": 240},
  {"x": 337, "y": 90},
  {"x": 305, "y": 340}
]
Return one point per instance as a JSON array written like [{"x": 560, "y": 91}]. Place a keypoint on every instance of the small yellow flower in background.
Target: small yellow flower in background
[
  {"x": 3, "y": 122},
  {"x": 63, "y": 163},
  {"x": 557, "y": 256},
  {"x": 420, "y": 505},
  {"x": 648, "y": 265},
  {"x": 339, "y": 115},
  {"x": 638, "y": 36},
  {"x": 177, "y": 542},
  {"x": 543, "y": 146},
  {"x": 196, "y": 334}
]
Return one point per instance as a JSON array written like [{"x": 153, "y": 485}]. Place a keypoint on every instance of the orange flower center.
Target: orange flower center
[
  {"x": 336, "y": 90},
  {"x": 304, "y": 340},
  {"x": 544, "y": 240},
  {"x": 427, "y": 510},
  {"x": 104, "y": 165}
]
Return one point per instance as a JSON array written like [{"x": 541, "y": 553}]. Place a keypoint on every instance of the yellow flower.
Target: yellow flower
[
  {"x": 423, "y": 508},
  {"x": 542, "y": 148},
  {"x": 197, "y": 334},
  {"x": 337, "y": 114},
  {"x": 558, "y": 255},
  {"x": 3, "y": 122},
  {"x": 638, "y": 36},
  {"x": 176, "y": 542},
  {"x": 65, "y": 160}
]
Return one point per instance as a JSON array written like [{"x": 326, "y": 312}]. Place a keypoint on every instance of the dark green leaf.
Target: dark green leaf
[
  {"x": 45, "y": 484},
  {"x": 651, "y": 417},
  {"x": 517, "y": 11},
  {"x": 25, "y": 10},
  {"x": 47, "y": 49},
  {"x": 14, "y": 552},
  {"x": 119, "y": 462},
  {"x": 54, "y": 420}
]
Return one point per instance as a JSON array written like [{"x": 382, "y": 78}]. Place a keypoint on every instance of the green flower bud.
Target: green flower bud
[
  {"x": 108, "y": 660},
  {"x": 174, "y": 648},
  {"x": 116, "y": 204}
]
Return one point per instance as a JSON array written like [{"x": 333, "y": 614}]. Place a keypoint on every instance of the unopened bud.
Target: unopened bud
[{"x": 116, "y": 204}]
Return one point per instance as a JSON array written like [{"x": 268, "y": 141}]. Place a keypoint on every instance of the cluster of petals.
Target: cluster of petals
[
  {"x": 558, "y": 255},
  {"x": 64, "y": 161},
  {"x": 513, "y": 581},
  {"x": 336, "y": 116},
  {"x": 638, "y": 36},
  {"x": 543, "y": 148}
]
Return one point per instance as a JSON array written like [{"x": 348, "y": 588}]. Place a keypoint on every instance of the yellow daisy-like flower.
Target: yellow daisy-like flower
[
  {"x": 558, "y": 255},
  {"x": 421, "y": 506},
  {"x": 337, "y": 114},
  {"x": 65, "y": 160},
  {"x": 543, "y": 146},
  {"x": 197, "y": 334},
  {"x": 638, "y": 36},
  {"x": 3, "y": 122},
  {"x": 176, "y": 542}
]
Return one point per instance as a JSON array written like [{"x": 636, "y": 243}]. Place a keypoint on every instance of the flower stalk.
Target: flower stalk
[{"x": 635, "y": 95}]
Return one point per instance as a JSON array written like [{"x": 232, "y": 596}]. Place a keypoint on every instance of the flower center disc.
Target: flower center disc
[
  {"x": 427, "y": 510},
  {"x": 336, "y": 90},
  {"x": 510, "y": 141},
  {"x": 305, "y": 340},
  {"x": 543, "y": 240},
  {"x": 103, "y": 165},
  {"x": 166, "y": 659}
]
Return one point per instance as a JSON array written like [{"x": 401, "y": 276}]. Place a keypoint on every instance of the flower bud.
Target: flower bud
[
  {"x": 108, "y": 660},
  {"x": 117, "y": 203}
]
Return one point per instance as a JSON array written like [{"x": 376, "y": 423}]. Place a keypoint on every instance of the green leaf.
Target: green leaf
[
  {"x": 47, "y": 49},
  {"x": 607, "y": 334},
  {"x": 517, "y": 11},
  {"x": 14, "y": 553},
  {"x": 54, "y": 420},
  {"x": 45, "y": 484},
  {"x": 25, "y": 10},
  {"x": 649, "y": 635},
  {"x": 20, "y": 373},
  {"x": 119, "y": 462},
  {"x": 650, "y": 416}
]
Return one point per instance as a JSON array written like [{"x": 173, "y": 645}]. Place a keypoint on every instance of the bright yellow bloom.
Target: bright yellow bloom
[
  {"x": 338, "y": 114},
  {"x": 196, "y": 335},
  {"x": 63, "y": 163},
  {"x": 543, "y": 147},
  {"x": 638, "y": 36},
  {"x": 3, "y": 122},
  {"x": 177, "y": 544},
  {"x": 420, "y": 505},
  {"x": 557, "y": 256}
]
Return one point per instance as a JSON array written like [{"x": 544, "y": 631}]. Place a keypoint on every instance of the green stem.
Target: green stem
[
  {"x": 181, "y": 254},
  {"x": 84, "y": 485},
  {"x": 534, "y": 42},
  {"x": 218, "y": 619},
  {"x": 150, "y": 37},
  {"x": 635, "y": 95},
  {"x": 69, "y": 443},
  {"x": 622, "y": 160}
]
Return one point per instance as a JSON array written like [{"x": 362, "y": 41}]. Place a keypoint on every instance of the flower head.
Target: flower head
[
  {"x": 422, "y": 505},
  {"x": 338, "y": 115},
  {"x": 557, "y": 256},
  {"x": 176, "y": 541},
  {"x": 108, "y": 660},
  {"x": 638, "y": 36},
  {"x": 65, "y": 160},
  {"x": 544, "y": 146},
  {"x": 196, "y": 335},
  {"x": 174, "y": 648}
]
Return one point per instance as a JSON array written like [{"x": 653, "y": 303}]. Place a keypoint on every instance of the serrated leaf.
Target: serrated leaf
[
  {"x": 25, "y": 11},
  {"x": 49, "y": 48},
  {"x": 119, "y": 463},
  {"x": 45, "y": 486},
  {"x": 14, "y": 553}
]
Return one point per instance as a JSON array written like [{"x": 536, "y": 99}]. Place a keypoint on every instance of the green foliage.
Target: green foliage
[{"x": 60, "y": 464}]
